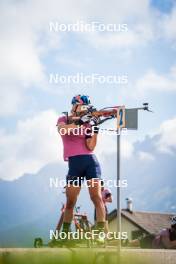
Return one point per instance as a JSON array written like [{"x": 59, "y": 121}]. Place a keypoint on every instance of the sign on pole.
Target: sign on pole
[
  {"x": 121, "y": 117},
  {"x": 131, "y": 118}
]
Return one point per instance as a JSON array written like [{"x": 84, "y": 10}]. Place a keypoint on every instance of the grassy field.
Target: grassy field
[{"x": 86, "y": 256}]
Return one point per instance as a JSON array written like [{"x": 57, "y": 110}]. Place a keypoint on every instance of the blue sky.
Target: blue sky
[
  {"x": 163, "y": 5},
  {"x": 30, "y": 104}
]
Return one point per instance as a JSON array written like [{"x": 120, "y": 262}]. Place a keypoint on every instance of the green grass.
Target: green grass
[{"x": 77, "y": 256}]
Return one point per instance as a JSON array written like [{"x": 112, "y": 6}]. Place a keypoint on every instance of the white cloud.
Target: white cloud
[
  {"x": 140, "y": 20},
  {"x": 72, "y": 62},
  {"x": 107, "y": 144},
  {"x": 153, "y": 81},
  {"x": 20, "y": 66},
  {"x": 127, "y": 148},
  {"x": 109, "y": 41},
  {"x": 163, "y": 141},
  {"x": 34, "y": 144},
  {"x": 26, "y": 40},
  {"x": 145, "y": 156},
  {"x": 10, "y": 99},
  {"x": 19, "y": 59},
  {"x": 20, "y": 69},
  {"x": 169, "y": 23},
  {"x": 167, "y": 141}
]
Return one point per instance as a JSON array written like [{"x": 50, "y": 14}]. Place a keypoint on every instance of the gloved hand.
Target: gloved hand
[
  {"x": 83, "y": 119},
  {"x": 94, "y": 121},
  {"x": 86, "y": 118}
]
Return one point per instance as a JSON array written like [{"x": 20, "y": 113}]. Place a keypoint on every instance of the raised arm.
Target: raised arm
[{"x": 91, "y": 141}]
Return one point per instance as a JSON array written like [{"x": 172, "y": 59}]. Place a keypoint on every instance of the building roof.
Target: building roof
[{"x": 151, "y": 222}]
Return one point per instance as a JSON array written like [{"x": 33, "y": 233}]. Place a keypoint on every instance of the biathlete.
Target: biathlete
[{"x": 82, "y": 162}]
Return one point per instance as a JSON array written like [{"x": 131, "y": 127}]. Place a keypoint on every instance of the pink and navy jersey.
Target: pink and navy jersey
[{"x": 73, "y": 144}]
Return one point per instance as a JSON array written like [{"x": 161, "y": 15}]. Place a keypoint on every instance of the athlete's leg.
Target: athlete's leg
[
  {"x": 94, "y": 187},
  {"x": 72, "y": 193},
  {"x": 72, "y": 190},
  {"x": 93, "y": 177}
]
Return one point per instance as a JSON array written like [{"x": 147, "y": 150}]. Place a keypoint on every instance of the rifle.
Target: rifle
[
  {"x": 90, "y": 112},
  {"x": 102, "y": 115}
]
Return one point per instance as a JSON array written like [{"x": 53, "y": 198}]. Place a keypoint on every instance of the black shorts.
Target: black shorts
[{"x": 83, "y": 167}]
